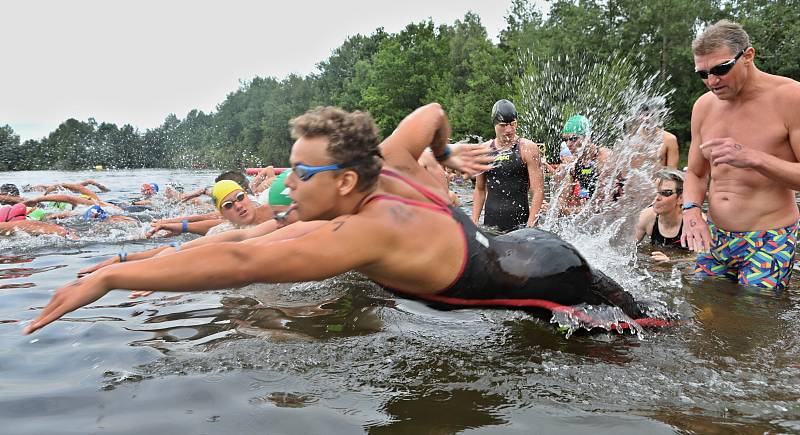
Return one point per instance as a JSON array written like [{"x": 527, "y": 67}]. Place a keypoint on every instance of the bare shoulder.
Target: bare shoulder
[
  {"x": 647, "y": 218},
  {"x": 786, "y": 92},
  {"x": 703, "y": 104},
  {"x": 669, "y": 137},
  {"x": 529, "y": 148}
]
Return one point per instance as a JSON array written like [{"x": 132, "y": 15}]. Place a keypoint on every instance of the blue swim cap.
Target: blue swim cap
[
  {"x": 95, "y": 212},
  {"x": 155, "y": 187}
]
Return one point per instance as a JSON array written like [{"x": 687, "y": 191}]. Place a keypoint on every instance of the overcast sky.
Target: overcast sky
[{"x": 137, "y": 61}]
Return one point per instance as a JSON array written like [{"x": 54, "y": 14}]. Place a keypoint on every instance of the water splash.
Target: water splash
[{"x": 627, "y": 107}]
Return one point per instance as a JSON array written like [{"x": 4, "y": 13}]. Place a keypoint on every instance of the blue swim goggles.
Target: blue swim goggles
[{"x": 305, "y": 172}]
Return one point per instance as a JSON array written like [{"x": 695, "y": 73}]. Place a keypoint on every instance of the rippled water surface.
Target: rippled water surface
[{"x": 342, "y": 356}]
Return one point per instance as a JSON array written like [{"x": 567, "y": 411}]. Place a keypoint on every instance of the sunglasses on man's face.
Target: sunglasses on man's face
[
  {"x": 227, "y": 205},
  {"x": 573, "y": 138},
  {"x": 719, "y": 70},
  {"x": 666, "y": 193}
]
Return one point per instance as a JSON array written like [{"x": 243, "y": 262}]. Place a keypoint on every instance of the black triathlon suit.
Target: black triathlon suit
[
  {"x": 525, "y": 265},
  {"x": 656, "y": 238},
  {"x": 586, "y": 175},
  {"x": 507, "y": 187}
]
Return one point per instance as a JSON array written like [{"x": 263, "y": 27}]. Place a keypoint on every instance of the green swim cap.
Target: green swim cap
[
  {"x": 276, "y": 189},
  {"x": 577, "y": 124},
  {"x": 36, "y": 214}
]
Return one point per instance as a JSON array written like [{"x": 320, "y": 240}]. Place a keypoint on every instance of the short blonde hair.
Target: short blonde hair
[{"x": 723, "y": 33}]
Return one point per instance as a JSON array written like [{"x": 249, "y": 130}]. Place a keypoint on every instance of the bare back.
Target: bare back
[{"x": 742, "y": 199}]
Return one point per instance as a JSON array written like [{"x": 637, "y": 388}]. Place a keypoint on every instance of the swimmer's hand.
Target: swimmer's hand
[
  {"x": 74, "y": 295},
  {"x": 659, "y": 257},
  {"x": 727, "y": 150},
  {"x": 90, "y": 269},
  {"x": 471, "y": 159},
  {"x": 696, "y": 235},
  {"x": 171, "y": 228}
]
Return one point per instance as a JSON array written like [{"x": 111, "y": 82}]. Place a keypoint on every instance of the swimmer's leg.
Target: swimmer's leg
[{"x": 609, "y": 292}]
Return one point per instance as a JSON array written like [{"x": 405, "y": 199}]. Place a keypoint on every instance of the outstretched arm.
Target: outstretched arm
[
  {"x": 95, "y": 184},
  {"x": 228, "y": 236},
  {"x": 346, "y": 246},
  {"x": 77, "y": 188},
  {"x": 74, "y": 200}
]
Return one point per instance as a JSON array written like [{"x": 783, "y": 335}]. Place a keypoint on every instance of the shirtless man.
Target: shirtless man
[
  {"x": 746, "y": 138},
  {"x": 649, "y": 120},
  {"x": 389, "y": 221},
  {"x": 517, "y": 170}
]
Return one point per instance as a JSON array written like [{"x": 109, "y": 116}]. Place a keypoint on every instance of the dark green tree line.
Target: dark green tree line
[{"x": 458, "y": 65}]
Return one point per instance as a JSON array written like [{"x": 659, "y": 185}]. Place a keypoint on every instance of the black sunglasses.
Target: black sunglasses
[
  {"x": 227, "y": 205},
  {"x": 721, "y": 69},
  {"x": 666, "y": 193},
  {"x": 572, "y": 138}
]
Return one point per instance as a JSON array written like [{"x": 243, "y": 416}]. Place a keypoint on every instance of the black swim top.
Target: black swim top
[
  {"x": 513, "y": 269},
  {"x": 586, "y": 175},
  {"x": 658, "y": 239},
  {"x": 507, "y": 187}
]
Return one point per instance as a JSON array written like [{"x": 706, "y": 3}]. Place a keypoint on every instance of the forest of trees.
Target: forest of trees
[{"x": 457, "y": 65}]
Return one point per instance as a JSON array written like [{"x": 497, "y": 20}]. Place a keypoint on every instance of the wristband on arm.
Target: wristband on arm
[
  {"x": 444, "y": 155},
  {"x": 184, "y": 226},
  {"x": 689, "y": 205}
]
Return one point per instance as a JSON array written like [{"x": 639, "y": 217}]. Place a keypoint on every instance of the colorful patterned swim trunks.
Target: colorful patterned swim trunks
[{"x": 756, "y": 258}]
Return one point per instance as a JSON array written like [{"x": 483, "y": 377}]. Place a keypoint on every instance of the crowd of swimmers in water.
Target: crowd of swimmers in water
[{"x": 385, "y": 209}]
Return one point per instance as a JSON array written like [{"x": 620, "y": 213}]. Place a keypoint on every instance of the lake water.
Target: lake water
[{"x": 342, "y": 356}]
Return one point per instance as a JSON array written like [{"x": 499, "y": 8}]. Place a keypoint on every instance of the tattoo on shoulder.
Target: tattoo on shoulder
[
  {"x": 692, "y": 223},
  {"x": 400, "y": 213},
  {"x": 738, "y": 146}
]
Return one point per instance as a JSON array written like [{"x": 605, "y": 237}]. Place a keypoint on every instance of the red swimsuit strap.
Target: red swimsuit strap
[{"x": 438, "y": 204}]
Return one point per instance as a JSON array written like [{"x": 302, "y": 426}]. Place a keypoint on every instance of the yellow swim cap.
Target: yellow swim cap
[{"x": 222, "y": 189}]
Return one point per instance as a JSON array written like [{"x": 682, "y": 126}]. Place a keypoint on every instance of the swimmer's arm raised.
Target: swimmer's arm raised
[
  {"x": 425, "y": 127},
  {"x": 96, "y": 184}
]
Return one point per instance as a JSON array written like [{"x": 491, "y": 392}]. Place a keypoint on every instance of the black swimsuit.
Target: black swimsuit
[
  {"x": 514, "y": 269},
  {"x": 507, "y": 188},
  {"x": 658, "y": 239}
]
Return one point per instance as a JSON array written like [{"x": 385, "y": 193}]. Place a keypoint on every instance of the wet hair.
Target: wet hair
[
  {"x": 236, "y": 176},
  {"x": 723, "y": 33},
  {"x": 669, "y": 174},
  {"x": 352, "y": 137},
  {"x": 9, "y": 189}
]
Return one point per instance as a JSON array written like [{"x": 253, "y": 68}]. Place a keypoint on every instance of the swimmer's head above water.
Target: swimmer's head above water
[
  {"x": 95, "y": 212},
  {"x": 504, "y": 119},
  {"x": 335, "y": 158},
  {"x": 576, "y": 130},
  {"x": 149, "y": 189}
]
